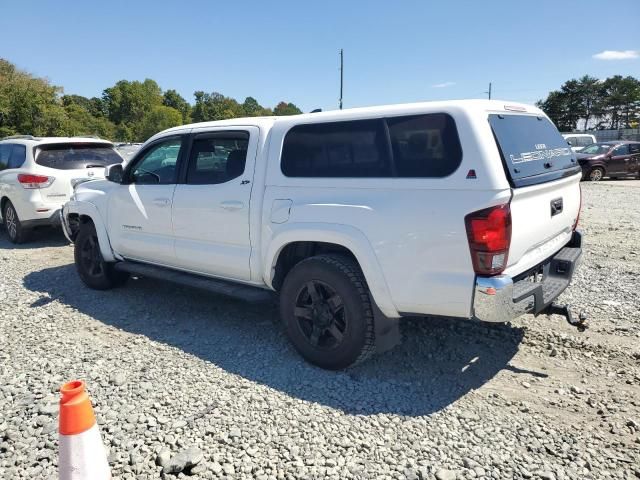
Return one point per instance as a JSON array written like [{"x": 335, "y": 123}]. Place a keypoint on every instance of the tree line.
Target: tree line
[
  {"x": 128, "y": 111},
  {"x": 591, "y": 104}
]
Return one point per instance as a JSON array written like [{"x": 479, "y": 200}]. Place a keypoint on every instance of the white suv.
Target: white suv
[
  {"x": 356, "y": 218},
  {"x": 37, "y": 176}
]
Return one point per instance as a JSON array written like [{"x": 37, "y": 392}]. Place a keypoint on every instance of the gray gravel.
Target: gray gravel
[{"x": 187, "y": 382}]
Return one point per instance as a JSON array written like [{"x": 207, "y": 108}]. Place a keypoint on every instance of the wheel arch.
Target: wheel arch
[
  {"x": 83, "y": 212},
  {"x": 295, "y": 242}
]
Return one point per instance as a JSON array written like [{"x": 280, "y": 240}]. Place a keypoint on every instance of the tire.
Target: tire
[
  {"x": 92, "y": 269},
  {"x": 596, "y": 174},
  {"x": 327, "y": 312},
  {"x": 16, "y": 232}
]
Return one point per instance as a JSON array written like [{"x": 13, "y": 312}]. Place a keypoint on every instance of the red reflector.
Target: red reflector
[
  {"x": 489, "y": 235},
  {"x": 575, "y": 225}
]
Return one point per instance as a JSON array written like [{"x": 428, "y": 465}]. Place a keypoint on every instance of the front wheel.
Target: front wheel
[
  {"x": 596, "y": 174},
  {"x": 327, "y": 311},
  {"x": 92, "y": 269}
]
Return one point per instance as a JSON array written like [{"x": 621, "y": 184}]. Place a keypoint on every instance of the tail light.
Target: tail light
[
  {"x": 34, "y": 181},
  {"x": 575, "y": 225},
  {"x": 489, "y": 234}
]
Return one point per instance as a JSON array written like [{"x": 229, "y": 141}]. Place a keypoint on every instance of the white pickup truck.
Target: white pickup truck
[{"x": 462, "y": 209}]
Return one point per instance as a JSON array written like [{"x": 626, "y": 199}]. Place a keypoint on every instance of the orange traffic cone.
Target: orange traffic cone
[{"x": 82, "y": 455}]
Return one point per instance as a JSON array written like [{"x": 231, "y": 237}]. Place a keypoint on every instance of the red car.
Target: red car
[{"x": 610, "y": 159}]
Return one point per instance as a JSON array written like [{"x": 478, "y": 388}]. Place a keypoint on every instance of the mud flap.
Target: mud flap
[{"x": 388, "y": 333}]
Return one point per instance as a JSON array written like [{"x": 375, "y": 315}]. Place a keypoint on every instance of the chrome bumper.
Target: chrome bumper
[
  {"x": 500, "y": 299},
  {"x": 65, "y": 227},
  {"x": 493, "y": 299}
]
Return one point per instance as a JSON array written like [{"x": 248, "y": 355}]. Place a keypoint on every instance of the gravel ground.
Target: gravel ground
[{"x": 188, "y": 382}]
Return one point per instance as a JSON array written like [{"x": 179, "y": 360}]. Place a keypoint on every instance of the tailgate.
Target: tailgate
[
  {"x": 544, "y": 177},
  {"x": 542, "y": 220}
]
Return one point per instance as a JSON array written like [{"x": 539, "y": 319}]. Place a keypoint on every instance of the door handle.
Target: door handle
[
  {"x": 231, "y": 205},
  {"x": 161, "y": 202}
]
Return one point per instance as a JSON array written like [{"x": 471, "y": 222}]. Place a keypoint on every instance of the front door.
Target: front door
[
  {"x": 618, "y": 163},
  {"x": 140, "y": 208},
  {"x": 211, "y": 206}
]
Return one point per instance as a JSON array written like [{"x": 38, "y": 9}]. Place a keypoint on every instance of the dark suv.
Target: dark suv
[{"x": 611, "y": 159}]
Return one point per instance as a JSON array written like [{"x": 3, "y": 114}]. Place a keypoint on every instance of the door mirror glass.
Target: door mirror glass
[{"x": 114, "y": 173}]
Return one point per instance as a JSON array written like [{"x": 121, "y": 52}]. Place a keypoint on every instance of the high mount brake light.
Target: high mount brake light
[
  {"x": 489, "y": 235},
  {"x": 34, "y": 181}
]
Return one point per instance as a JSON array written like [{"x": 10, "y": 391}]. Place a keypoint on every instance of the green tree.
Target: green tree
[
  {"x": 214, "y": 106},
  {"x": 173, "y": 99},
  {"x": 251, "y": 108},
  {"x": 621, "y": 101},
  {"x": 284, "y": 108},
  {"x": 159, "y": 118},
  {"x": 29, "y": 105},
  {"x": 81, "y": 122},
  {"x": 129, "y": 102}
]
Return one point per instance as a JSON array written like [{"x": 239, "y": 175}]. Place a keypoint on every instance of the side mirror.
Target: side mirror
[{"x": 114, "y": 173}]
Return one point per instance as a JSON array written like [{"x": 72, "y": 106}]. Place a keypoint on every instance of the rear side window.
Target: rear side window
[
  {"x": 532, "y": 149},
  {"x": 339, "y": 149},
  {"x": 18, "y": 156},
  {"x": 5, "y": 154},
  {"x": 621, "y": 150},
  {"x": 78, "y": 155},
  {"x": 634, "y": 148},
  {"x": 425, "y": 145},
  {"x": 409, "y": 146},
  {"x": 217, "y": 158}
]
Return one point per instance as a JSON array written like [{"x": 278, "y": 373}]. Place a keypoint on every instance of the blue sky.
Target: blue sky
[{"x": 400, "y": 51}]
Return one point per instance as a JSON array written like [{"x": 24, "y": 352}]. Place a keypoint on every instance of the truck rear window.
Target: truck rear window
[
  {"x": 79, "y": 155},
  {"x": 533, "y": 151}
]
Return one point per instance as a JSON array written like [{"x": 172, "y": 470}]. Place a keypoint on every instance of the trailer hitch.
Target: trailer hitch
[{"x": 565, "y": 310}]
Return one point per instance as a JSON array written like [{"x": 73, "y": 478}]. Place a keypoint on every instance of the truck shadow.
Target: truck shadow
[{"x": 438, "y": 363}]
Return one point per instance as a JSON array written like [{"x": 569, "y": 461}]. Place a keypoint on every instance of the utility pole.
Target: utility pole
[
  {"x": 489, "y": 91},
  {"x": 341, "y": 75}
]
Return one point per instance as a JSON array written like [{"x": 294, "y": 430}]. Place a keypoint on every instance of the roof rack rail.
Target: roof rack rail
[{"x": 24, "y": 137}]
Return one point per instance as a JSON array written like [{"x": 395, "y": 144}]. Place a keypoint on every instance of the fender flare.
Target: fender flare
[
  {"x": 91, "y": 211},
  {"x": 344, "y": 235}
]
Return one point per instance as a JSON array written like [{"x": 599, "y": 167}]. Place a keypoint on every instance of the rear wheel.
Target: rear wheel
[
  {"x": 326, "y": 308},
  {"x": 596, "y": 174},
  {"x": 93, "y": 270},
  {"x": 15, "y": 230}
]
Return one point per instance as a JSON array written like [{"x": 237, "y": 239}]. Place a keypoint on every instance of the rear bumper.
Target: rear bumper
[
  {"x": 52, "y": 219},
  {"x": 502, "y": 298}
]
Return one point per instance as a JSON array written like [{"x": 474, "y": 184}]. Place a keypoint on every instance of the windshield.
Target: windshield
[
  {"x": 596, "y": 149},
  {"x": 532, "y": 149},
  {"x": 67, "y": 156}
]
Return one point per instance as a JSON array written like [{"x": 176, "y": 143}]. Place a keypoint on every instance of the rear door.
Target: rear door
[
  {"x": 634, "y": 161},
  {"x": 211, "y": 205},
  {"x": 618, "y": 162},
  {"x": 544, "y": 177}
]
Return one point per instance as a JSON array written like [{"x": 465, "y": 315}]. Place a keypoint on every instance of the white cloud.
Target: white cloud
[
  {"x": 443, "y": 85},
  {"x": 617, "y": 55}
]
